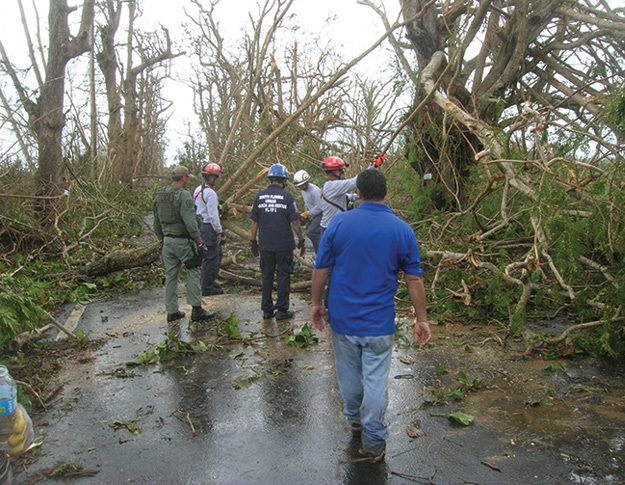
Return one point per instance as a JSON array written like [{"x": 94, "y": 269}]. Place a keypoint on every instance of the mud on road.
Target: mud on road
[{"x": 268, "y": 413}]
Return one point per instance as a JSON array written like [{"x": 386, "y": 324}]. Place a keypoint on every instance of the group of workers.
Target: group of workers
[{"x": 359, "y": 254}]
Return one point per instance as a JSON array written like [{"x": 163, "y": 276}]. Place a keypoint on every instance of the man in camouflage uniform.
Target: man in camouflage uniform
[{"x": 176, "y": 227}]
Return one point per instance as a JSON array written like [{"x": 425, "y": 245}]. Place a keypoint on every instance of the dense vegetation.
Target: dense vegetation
[{"x": 501, "y": 120}]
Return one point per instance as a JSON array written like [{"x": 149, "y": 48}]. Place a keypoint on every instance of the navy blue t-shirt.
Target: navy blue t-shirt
[{"x": 274, "y": 209}]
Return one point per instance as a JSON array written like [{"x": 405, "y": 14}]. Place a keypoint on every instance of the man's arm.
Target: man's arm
[
  {"x": 212, "y": 209},
  {"x": 297, "y": 227},
  {"x": 158, "y": 229},
  {"x": 318, "y": 312},
  {"x": 187, "y": 213},
  {"x": 416, "y": 290},
  {"x": 254, "y": 231}
]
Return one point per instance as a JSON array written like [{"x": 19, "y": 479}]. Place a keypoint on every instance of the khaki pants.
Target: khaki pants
[{"x": 176, "y": 251}]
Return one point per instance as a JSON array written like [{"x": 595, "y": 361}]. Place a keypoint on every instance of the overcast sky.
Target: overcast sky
[{"x": 356, "y": 27}]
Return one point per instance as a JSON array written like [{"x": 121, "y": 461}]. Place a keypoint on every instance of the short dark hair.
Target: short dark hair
[{"x": 372, "y": 184}]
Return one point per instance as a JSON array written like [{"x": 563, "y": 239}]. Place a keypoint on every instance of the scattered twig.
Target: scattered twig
[
  {"x": 404, "y": 452},
  {"x": 491, "y": 466},
  {"x": 371, "y": 459},
  {"x": 33, "y": 392},
  {"x": 413, "y": 478},
  {"x": 53, "y": 393},
  {"x": 58, "y": 324},
  {"x": 188, "y": 419},
  {"x": 573, "y": 328}
]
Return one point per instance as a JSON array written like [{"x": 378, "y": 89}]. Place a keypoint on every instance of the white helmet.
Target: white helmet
[{"x": 300, "y": 178}]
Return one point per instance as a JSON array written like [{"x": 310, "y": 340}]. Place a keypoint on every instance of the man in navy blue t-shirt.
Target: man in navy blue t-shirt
[
  {"x": 274, "y": 212},
  {"x": 366, "y": 248}
]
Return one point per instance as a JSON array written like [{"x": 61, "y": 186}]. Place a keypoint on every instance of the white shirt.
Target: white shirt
[
  {"x": 312, "y": 199},
  {"x": 207, "y": 206},
  {"x": 335, "y": 191}
]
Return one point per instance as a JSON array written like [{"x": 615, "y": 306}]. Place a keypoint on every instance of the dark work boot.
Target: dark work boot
[
  {"x": 284, "y": 314},
  {"x": 199, "y": 314},
  {"x": 175, "y": 316}
]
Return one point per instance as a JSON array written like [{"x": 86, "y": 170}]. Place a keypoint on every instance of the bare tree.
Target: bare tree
[
  {"x": 46, "y": 113},
  {"x": 276, "y": 97},
  {"x": 135, "y": 111}
]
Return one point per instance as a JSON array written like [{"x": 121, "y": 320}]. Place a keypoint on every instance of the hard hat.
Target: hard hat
[
  {"x": 300, "y": 177},
  {"x": 333, "y": 163},
  {"x": 212, "y": 169},
  {"x": 278, "y": 170}
]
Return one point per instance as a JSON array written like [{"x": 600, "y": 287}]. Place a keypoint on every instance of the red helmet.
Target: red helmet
[
  {"x": 212, "y": 169},
  {"x": 333, "y": 163}
]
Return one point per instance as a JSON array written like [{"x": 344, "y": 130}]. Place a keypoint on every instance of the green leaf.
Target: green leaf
[
  {"x": 458, "y": 395},
  {"x": 461, "y": 418},
  {"x": 305, "y": 338},
  {"x": 462, "y": 377}
]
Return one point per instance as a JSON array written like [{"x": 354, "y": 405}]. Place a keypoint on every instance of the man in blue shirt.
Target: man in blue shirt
[
  {"x": 366, "y": 248},
  {"x": 274, "y": 213}
]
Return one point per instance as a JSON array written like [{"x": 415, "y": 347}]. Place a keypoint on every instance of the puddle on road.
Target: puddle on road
[
  {"x": 283, "y": 423},
  {"x": 574, "y": 407}
]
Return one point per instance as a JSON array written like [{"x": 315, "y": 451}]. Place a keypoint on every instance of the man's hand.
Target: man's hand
[
  {"x": 22, "y": 435},
  {"x": 318, "y": 314},
  {"x": 254, "y": 246},
  {"x": 222, "y": 239},
  {"x": 422, "y": 334},
  {"x": 302, "y": 247},
  {"x": 203, "y": 251}
]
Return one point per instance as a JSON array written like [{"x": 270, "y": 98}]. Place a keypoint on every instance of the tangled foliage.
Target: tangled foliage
[{"x": 41, "y": 261}]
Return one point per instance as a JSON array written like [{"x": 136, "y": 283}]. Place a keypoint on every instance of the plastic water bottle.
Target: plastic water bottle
[{"x": 8, "y": 405}]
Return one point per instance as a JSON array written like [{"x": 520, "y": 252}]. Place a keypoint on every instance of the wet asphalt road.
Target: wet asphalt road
[{"x": 286, "y": 427}]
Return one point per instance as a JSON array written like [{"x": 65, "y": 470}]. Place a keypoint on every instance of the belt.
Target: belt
[{"x": 178, "y": 236}]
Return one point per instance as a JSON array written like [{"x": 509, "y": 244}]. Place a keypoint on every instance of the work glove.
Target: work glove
[
  {"x": 302, "y": 247},
  {"x": 22, "y": 436},
  {"x": 377, "y": 161},
  {"x": 203, "y": 251},
  {"x": 255, "y": 247},
  {"x": 303, "y": 218}
]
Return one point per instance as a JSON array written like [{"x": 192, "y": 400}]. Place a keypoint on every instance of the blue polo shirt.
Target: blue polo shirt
[{"x": 366, "y": 247}]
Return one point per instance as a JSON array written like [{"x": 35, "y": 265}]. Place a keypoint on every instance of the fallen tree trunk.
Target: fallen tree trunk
[
  {"x": 20, "y": 339},
  {"x": 124, "y": 259},
  {"x": 148, "y": 254}
]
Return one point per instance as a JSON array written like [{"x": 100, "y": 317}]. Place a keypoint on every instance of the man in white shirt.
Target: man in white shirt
[
  {"x": 312, "y": 202},
  {"x": 207, "y": 207},
  {"x": 336, "y": 191}
]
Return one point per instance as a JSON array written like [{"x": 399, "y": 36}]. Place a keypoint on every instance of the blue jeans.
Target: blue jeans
[{"x": 363, "y": 365}]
